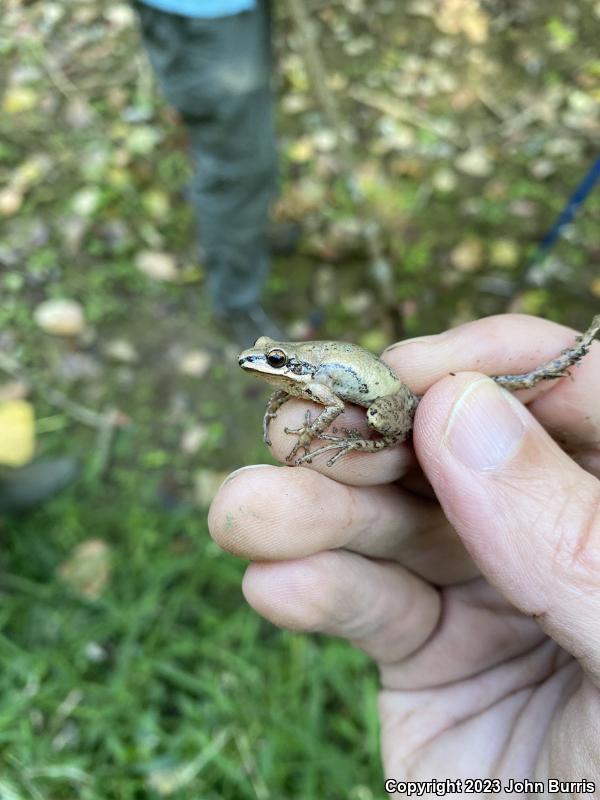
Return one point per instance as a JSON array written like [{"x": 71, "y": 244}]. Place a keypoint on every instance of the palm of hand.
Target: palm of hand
[{"x": 514, "y": 706}]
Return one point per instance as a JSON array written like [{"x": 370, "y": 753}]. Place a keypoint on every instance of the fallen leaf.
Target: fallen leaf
[
  {"x": 28, "y": 173},
  {"x": 294, "y": 103},
  {"x": 60, "y": 317},
  {"x": 359, "y": 45},
  {"x": 358, "y": 303},
  {"x": 78, "y": 113},
  {"x": 301, "y": 150},
  {"x": 301, "y": 198},
  {"x": 85, "y": 202},
  {"x": 118, "y": 178},
  {"x": 72, "y": 229},
  {"x": 156, "y": 203},
  {"x": 95, "y": 653},
  {"x": 120, "y": 15},
  {"x": 159, "y": 266},
  {"x": 462, "y": 16},
  {"x": 325, "y": 140},
  {"x": 475, "y": 161},
  {"x": 468, "y": 255},
  {"x": 337, "y": 81},
  {"x": 121, "y": 350},
  {"x": 193, "y": 438},
  {"x": 19, "y": 99},
  {"x": 195, "y": 363},
  {"x": 17, "y": 433},
  {"x": 523, "y": 208},
  {"x": 504, "y": 253},
  {"x": 87, "y": 570},
  {"x": 143, "y": 139},
  {"x": 11, "y": 200},
  {"x": 31, "y": 171},
  {"x": 444, "y": 180}
]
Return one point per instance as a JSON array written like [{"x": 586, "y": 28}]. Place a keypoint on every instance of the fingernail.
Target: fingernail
[
  {"x": 237, "y": 471},
  {"x": 434, "y": 337},
  {"x": 484, "y": 429}
]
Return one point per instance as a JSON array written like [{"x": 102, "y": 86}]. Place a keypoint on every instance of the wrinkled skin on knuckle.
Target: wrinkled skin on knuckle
[{"x": 577, "y": 541}]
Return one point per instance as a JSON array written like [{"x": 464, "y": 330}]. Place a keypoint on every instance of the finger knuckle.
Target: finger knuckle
[{"x": 577, "y": 550}]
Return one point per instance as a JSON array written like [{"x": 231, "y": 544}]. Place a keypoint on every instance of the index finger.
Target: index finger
[{"x": 512, "y": 343}]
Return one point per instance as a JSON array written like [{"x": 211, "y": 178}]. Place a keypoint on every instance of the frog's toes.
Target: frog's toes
[
  {"x": 303, "y": 429},
  {"x": 293, "y": 451},
  {"x": 330, "y": 438},
  {"x": 342, "y": 452},
  {"x": 294, "y": 431},
  {"x": 306, "y": 458}
]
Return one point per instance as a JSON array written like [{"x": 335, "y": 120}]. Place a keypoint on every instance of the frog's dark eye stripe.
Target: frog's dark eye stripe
[{"x": 276, "y": 358}]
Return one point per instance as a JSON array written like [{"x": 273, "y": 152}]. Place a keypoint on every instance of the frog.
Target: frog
[{"x": 332, "y": 373}]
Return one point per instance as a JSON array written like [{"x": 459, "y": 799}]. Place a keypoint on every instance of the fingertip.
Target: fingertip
[
  {"x": 273, "y": 513},
  {"x": 291, "y": 594},
  {"x": 233, "y": 506}
]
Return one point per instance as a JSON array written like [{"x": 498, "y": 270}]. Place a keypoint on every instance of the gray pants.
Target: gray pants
[{"x": 217, "y": 74}]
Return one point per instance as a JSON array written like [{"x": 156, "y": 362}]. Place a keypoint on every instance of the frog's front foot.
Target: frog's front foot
[
  {"x": 267, "y": 419},
  {"x": 276, "y": 400},
  {"x": 305, "y": 436}
]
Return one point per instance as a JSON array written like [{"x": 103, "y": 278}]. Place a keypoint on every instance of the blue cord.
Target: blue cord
[{"x": 567, "y": 214}]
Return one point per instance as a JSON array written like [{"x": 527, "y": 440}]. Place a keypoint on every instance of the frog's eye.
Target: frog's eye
[{"x": 276, "y": 358}]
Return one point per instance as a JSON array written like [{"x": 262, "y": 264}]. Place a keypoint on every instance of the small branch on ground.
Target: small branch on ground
[{"x": 76, "y": 411}]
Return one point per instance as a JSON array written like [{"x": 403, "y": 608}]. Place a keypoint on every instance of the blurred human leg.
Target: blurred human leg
[{"x": 217, "y": 74}]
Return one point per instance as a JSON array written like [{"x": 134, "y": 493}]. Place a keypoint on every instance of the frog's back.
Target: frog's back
[{"x": 354, "y": 374}]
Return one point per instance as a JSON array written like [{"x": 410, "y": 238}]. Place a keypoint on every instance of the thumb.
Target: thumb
[{"x": 526, "y": 512}]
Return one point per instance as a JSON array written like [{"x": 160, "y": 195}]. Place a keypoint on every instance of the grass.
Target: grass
[{"x": 169, "y": 685}]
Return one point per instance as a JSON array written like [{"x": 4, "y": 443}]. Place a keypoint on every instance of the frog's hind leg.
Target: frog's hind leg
[
  {"x": 391, "y": 416},
  {"x": 555, "y": 368},
  {"x": 346, "y": 445},
  {"x": 275, "y": 401}
]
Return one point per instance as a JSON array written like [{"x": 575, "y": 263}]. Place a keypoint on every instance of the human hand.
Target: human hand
[{"x": 480, "y": 603}]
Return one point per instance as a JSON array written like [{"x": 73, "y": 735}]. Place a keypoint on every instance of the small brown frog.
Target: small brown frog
[{"x": 335, "y": 373}]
